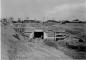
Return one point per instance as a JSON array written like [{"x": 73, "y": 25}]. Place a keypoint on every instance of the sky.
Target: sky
[{"x": 55, "y": 9}]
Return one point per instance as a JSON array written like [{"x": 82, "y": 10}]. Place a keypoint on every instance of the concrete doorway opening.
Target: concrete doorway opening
[{"x": 38, "y": 35}]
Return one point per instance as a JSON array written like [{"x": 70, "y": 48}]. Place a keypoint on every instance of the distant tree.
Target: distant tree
[
  {"x": 66, "y": 21},
  {"x": 19, "y": 20},
  {"x": 4, "y": 21},
  {"x": 76, "y": 20}
]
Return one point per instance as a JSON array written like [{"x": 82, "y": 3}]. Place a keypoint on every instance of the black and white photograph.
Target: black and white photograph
[{"x": 43, "y": 29}]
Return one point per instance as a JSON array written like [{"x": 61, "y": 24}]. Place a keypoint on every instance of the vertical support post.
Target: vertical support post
[{"x": 54, "y": 36}]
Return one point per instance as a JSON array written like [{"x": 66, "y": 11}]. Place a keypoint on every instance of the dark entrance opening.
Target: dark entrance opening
[{"x": 38, "y": 35}]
